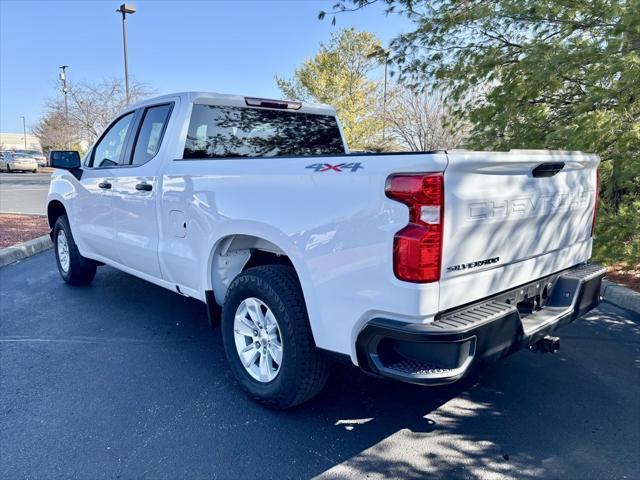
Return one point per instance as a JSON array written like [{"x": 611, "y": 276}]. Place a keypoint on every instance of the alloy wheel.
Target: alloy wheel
[
  {"x": 258, "y": 339},
  {"x": 63, "y": 251}
]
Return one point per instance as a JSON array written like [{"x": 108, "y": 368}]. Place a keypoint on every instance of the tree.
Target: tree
[
  {"x": 562, "y": 75},
  {"x": 92, "y": 106},
  {"x": 339, "y": 76},
  {"x": 51, "y": 131},
  {"x": 421, "y": 120}
]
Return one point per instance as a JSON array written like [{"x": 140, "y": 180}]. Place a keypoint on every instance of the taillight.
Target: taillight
[
  {"x": 595, "y": 204},
  {"x": 417, "y": 248}
]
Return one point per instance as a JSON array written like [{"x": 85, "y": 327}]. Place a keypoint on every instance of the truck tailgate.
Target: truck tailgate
[{"x": 513, "y": 217}]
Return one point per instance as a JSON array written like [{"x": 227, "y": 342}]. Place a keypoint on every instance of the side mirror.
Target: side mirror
[{"x": 64, "y": 159}]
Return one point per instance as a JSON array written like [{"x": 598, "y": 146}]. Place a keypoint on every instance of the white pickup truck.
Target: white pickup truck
[{"x": 415, "y": 266}]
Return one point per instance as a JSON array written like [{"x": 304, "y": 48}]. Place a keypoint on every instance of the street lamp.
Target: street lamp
[
  {"x": 65, "y": 90},
  {"x": 124, "y": 9},
  {"x": 24, "y": 131}
]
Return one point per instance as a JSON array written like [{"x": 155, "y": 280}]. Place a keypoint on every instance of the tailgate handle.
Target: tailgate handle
[{"x": 547, "y": 169}]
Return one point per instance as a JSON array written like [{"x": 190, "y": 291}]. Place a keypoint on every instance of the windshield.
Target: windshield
[{"x": 218, "y": 132}]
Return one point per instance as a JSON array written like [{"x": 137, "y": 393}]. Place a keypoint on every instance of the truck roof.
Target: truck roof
[{"x": 214, "y": 98}]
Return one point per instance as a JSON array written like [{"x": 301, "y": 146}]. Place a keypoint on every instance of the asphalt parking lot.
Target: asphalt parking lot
[
  {"x": 24, "y": 193},
  {"x": 123, "y": 379}
]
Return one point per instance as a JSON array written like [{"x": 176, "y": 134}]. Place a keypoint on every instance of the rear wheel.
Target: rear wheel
[
  {"x": 73, "y": 267},
  {"x": 268, "y": 340}
]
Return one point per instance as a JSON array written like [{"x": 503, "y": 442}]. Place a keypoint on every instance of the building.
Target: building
[{"x": 15, "y": 141}]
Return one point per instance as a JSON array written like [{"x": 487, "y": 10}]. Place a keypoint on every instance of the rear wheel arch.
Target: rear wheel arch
[{"x": 234, "y": 254}]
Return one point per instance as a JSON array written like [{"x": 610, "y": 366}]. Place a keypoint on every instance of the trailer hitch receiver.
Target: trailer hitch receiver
[{"x": 546, "y": 344}]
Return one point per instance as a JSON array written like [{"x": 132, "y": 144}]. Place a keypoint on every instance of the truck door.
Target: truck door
[
  {"x": 93, "y": 215},
  {"x": 135, "y": 192}
]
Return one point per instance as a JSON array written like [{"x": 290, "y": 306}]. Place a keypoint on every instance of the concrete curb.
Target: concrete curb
[
  {"x": 24, "y": 250},
  {"x": 620, "y": 296}
]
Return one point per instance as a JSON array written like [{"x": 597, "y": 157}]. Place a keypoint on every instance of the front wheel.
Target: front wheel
[
  {"x": 268, "y": 340},
  {"x": 73, "y": 267}
]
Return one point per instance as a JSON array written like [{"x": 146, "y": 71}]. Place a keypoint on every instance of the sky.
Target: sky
[{"x": 221, "y": 46}]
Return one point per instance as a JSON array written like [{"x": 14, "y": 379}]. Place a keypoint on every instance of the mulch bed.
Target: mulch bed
[
  {"x": 20, "y": 228},
  {"x": 626, "y": 278}
]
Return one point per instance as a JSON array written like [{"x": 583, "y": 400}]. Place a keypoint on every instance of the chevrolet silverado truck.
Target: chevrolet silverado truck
[{"x": 414, "y": 266}]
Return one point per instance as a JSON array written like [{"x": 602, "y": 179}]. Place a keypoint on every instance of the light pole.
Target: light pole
[
  {"x": 65, "y": 90},
  {"x": 24, "y": 131},
  {"x": 124, "y": 9}
]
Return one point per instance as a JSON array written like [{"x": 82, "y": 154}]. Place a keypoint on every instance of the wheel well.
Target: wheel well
[
  {"x": 54, "y": 210},
  {"x": 237, "y": 253},
  {"x": 262, "y": 257}
]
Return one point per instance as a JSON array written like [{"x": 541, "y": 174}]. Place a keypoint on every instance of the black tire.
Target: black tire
[
  {"x": 81, "y": 270},
  {"x": 304, "y": 369},
  {"x": 34, "y": 171}
]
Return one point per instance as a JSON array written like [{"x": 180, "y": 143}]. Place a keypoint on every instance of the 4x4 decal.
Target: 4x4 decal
[{"x": 341, "y": 167}]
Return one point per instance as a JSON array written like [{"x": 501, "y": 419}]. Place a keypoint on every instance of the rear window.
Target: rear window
[{"x": 221, "y": 132}]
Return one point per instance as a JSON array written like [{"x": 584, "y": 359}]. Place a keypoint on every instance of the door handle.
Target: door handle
[
  {"x": 104, "y": 185},
  {"x": 144, "y": 187}
]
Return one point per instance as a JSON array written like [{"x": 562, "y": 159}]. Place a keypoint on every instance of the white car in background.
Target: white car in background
[
  {"x": 14, "y": 161},
  {"x": 37, "y": 155}
]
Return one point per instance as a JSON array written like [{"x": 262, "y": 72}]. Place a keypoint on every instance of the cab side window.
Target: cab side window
[
  {"x": 150, "y": 134},
  {"x": 108, "y": 151}
]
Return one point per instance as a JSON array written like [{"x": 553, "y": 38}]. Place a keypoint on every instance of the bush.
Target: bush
[{"x": 617, "y": 239}]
